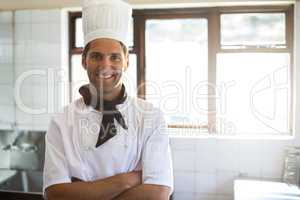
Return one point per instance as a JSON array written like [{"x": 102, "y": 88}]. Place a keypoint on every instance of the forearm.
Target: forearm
[
  {"x": 104, "y": 189},
  {"x": 146, "y": 191}
]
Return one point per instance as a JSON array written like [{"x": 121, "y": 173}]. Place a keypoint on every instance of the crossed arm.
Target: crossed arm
[{"x": 123, "y": 186}]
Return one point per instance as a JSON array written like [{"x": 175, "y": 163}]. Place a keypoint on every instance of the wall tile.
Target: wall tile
[
  {"x": 23, "y": 16},
  {"x": 8, "y": 98},
  {"x": 54, "y": 56},
  {"x": 25, "y": 71},
  {"x": 6, "y": 34},
  {"x": 49, "y": 97},
  {"x": 224, "y": 197},
  {"x": 184, "y": 181},
  {"x": 44, "y": 54},
  {"x": 23, "y": 34},
  {"x": 6, "y": 53},
  {"x": 23, "y": 95},
  {"x": 39, "y": 16},
  {"x": 206, "y": 155},
  {"x": 225, "y": 182},
  {"x": 250, "y": 158},
  {"x": 7, "y": 114},
  {"x": 200, "y": 196},
  {"x": 40, "y": 53},
  {"x": 227, "y": 155},
  {"x": 22, "y": 117},
  {"x": 40, "y": 96},
  {"x": 41, "y": 121},
  {"x": 183, "y": 196},
  {"x": 5, "y": 159},
  {"x": 54, "y": 16},
  {"x": 273, "y": 158},
  {"x": 54, "y": 33},
  {"x": 6, "y": 74},
  {"x": 6, "y": 17},
  {"x": 183, "y": 144},
  {"x": 40, "y": 33},
  {"x": 206, "y": 183},
  {"x": 23, "y": 54},
  {"x": 183, "y": 160}
]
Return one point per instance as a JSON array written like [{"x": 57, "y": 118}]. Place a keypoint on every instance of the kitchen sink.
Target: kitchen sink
[{"x": 22, "y": 160}]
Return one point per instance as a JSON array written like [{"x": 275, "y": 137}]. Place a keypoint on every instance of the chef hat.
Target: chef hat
[{"x": 106, "y": 19}]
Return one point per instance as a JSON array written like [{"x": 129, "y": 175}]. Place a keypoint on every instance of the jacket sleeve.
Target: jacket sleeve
[
  {"x": 55, "y": 167},
  {"x": 156, "y": 155}
]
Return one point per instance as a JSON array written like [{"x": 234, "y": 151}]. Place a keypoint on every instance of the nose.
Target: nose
[{"x": 105, "y": 61}]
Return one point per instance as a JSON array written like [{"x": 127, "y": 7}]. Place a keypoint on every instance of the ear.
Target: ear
[
  {"x": 127, "y": 62},
  {"x": 83, "y": 62}
]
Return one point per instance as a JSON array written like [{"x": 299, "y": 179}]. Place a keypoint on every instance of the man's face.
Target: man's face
[{"x": 105, "y": 61}]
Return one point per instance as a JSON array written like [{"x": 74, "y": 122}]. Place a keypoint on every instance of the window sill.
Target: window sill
[{"x": 203, "y": 134}]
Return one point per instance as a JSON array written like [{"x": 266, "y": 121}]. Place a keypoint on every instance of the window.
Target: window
[
  {"x": 176, "y": 60},
  {"x": 254, "y": 68},
  {"x": 257, "y": 30},
  {"x": 220, "y": 70}
]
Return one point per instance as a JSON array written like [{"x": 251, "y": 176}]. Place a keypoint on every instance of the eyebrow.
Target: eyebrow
[{"x": 100, "y": 53}]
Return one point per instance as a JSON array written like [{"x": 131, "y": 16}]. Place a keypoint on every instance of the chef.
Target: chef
[{"x": 106, "y": 144}]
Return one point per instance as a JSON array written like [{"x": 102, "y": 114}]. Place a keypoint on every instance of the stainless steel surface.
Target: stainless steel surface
[
  {"x": 24, "y": 149},
  {"x": 21, "y": 152},
  {"x": 5, "y": 175},
  {"x": 26, "y": 181}
]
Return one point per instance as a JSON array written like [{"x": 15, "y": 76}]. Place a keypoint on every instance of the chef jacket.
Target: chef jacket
[{"x": 72, "y": 135}]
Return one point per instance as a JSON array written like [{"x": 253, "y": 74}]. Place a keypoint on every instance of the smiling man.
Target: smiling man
[{"x": 107, "y": 145}]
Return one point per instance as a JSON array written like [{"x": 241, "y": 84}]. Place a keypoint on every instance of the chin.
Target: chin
[{"x": 107, "y": 88}]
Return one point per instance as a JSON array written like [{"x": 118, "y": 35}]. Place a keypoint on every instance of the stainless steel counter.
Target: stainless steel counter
[{"x": 22, "y": 160}]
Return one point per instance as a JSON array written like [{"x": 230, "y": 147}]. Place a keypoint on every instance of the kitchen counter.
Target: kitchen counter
[{"x": 265, "y": 190}]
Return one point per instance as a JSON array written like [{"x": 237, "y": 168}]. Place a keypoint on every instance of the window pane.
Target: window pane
[
  {"x": 130, "y": 78},
  {"x": 131, "y": 33},
  {"x": 79, "y": 76},
  {"x": 176, "y": 69},
  {"x": 79, "y": 33},
  {"x": 254, "y": 29},
  {"x": 253, "y": 93}
]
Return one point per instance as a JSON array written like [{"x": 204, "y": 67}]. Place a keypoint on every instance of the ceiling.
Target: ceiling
[{"x": 46, "y": 4}]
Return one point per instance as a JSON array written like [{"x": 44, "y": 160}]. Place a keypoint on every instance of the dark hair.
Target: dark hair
[{"x": 87, "y": 47}]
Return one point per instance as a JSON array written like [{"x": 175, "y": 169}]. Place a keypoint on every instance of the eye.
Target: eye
[
  {"x": 116, "y": 57},
  {"x": 95, "y": 56}
]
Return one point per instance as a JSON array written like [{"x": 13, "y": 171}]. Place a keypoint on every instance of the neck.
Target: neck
[{"x": 113, "y": 94}]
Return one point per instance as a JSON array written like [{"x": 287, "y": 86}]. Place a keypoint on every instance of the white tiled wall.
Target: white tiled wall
[
  {"x": 29, "y": 40},
  {"x": 205, "y": 168},
  {"x": 6, "y": 70},
  {"x": 37, "y": 47}
]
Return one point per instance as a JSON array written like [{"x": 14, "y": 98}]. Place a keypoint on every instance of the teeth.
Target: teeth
[{"x": 106, "y": 76}]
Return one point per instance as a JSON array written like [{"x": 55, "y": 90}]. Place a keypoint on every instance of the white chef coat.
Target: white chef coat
[{"x": 73, "y": 133}]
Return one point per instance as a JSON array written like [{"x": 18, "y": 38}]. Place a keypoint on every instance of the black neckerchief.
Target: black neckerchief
[{"x": 109, "y": 110}]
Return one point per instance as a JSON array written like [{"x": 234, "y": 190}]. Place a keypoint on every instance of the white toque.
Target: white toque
[{"x": 106, "y": 19}]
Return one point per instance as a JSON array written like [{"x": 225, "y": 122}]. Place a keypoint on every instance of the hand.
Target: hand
[
  {"x": 131, "y": 179},
  {"x": 136, "y": 177}
]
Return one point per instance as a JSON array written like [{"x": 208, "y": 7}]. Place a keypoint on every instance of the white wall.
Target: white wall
[
  {"x": 6, "y": 70},
  {"x": 297, "y": 65},
  {"x": 37, "y": 47}
]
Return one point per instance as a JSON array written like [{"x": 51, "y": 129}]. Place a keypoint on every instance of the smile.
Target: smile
[{"x": 106, "y": 76}]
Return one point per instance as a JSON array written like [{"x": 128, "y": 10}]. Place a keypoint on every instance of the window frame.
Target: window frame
[{"x": 213, "y": 16}]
